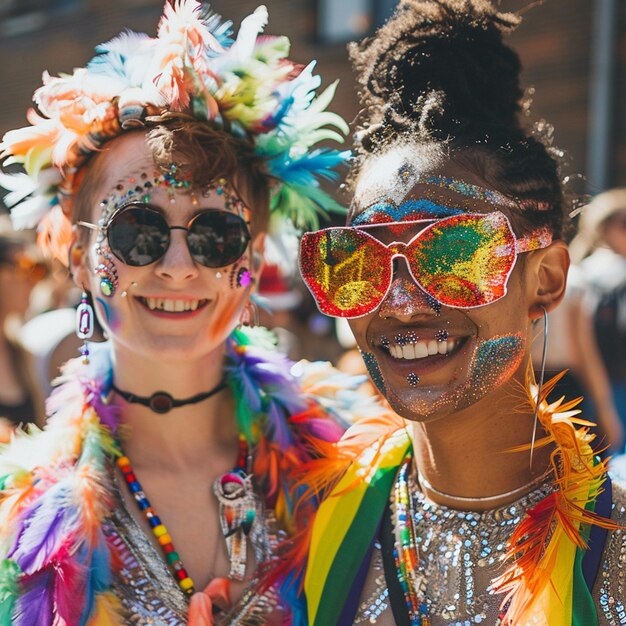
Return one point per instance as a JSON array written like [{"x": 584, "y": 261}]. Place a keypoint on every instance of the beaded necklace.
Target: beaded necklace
[
  {"x": 238, "y": 474},
  {"x": 405, "y": 551}
]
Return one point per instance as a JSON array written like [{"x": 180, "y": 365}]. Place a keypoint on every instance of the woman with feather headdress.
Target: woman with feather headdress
[
  {"x": 486, "y": 504},
  {"x": 163, "y": 479}
]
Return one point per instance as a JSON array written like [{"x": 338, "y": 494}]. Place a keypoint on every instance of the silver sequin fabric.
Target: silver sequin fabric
[
  {"x": 461, "y": 552},
  {"x": 147, "y": 591}
]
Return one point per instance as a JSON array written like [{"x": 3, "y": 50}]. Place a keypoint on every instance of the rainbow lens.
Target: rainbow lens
[{"x": 347, "y": 271}]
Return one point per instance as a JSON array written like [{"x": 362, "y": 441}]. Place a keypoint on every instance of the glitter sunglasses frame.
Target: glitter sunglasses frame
[{"x": 383, "y": 255}]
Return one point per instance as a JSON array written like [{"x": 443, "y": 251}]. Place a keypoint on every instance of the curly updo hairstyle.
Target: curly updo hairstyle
[{"x": 439, "y": 72}]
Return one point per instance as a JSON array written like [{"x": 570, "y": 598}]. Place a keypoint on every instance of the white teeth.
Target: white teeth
[
  {"x": 408, "y": 351},
  {"x": 172, "y": 306},
  {"x": 421, "y": 349}
]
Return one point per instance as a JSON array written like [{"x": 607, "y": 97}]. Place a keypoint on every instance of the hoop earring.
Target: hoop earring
[
  {"x": 542, "y": 372},
  {"x": 84, "y": 325}
]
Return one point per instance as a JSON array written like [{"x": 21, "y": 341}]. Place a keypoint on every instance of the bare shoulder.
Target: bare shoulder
[{"x": 610, "y": 588}]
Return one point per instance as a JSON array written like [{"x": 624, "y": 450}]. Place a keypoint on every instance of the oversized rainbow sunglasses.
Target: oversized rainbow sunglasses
[{"x": 463, "y": 261}]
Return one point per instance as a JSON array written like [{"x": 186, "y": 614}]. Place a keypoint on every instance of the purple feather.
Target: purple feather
[
  {"x": 108, "y": 413},
  {"x": 278, "y": 427},
  {"x": 35, "y": 606},
  {"x": 43, "y": 530}
]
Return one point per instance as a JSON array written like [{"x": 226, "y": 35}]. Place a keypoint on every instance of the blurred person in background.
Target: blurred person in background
[
  {"x": 21, "y": 269},
  {"x": 599, "y": 249}
]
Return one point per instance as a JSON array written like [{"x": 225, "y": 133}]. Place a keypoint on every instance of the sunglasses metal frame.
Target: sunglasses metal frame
[
  {"x": 103, "y": 230},
  {"x": 542, "y": 236}
]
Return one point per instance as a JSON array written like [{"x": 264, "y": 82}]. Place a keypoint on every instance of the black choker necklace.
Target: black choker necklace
[{"x": 163, "y": 402}]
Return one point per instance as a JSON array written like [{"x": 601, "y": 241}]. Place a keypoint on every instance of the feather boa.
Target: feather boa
[
  {"x": 539, "y": 582},
  {"x": 57, "y": 567}
]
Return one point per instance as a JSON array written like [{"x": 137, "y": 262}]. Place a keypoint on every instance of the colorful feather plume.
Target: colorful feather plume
[
  {"x": 246, "y": 86},
  {"x": 539, "y": 581},
  {"x": 57, "y": 567}
]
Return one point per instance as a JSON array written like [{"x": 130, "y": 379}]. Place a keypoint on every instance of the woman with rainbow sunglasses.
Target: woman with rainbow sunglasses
[
  {"x": 485, "y": 502},
  {"x": 164, "y": 477}
]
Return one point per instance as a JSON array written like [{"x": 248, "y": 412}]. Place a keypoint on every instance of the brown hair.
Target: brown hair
[{"x": 205, "y": 154}]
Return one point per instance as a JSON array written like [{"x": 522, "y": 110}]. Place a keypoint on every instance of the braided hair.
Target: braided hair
[{"x": 439, "y": 72}]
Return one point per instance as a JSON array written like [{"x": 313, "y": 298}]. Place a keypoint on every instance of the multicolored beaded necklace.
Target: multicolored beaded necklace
[
  {"x": 236, "y": 477},
  {"x": 405, "y": 553}
]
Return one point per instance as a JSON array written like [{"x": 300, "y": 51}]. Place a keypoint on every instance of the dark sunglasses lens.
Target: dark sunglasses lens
[
  {"x": 138, "y": 235},
  {"x": 217, "y": 238}
]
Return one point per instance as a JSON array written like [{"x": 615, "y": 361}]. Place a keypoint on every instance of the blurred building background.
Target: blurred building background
[{"x": 574, "y": 52}]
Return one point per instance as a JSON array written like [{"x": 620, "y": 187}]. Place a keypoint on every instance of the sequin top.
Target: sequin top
[
  {"x": 461, "y": 552},
  {"x": 148, "y": 593}
]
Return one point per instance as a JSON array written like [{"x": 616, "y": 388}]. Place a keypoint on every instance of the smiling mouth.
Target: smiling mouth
[
  {"x": 409, "y": 347},
  {"x": 169, "y": 305}
]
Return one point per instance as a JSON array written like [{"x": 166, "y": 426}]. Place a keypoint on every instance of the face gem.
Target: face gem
[
  {"x": 442, "y": 334},
  {"x": 373, "y": 370},
  {"x": 413, "y": 379},
  {"x": 244, "y": 277}
]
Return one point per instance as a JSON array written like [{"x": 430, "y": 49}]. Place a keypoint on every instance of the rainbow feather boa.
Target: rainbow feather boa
[
  {"x": 57, "y": 567},
  {"x": 543, "y": 581}
]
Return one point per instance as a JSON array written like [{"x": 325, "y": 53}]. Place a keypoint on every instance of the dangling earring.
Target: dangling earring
[
  {"x": 84, "y": 325},
  {"x": 107, "y": 273},
  {"x": 542, "y": 372},
  {"x": 250, "y": 315}
]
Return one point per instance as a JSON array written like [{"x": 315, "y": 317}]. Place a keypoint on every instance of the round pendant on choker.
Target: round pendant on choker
[{"x": 162, "y": 402}]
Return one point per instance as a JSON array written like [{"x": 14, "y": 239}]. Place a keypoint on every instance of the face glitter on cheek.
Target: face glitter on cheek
[
  {"x": 495, "y": 361},
  {"x": 373, "y": 369}
]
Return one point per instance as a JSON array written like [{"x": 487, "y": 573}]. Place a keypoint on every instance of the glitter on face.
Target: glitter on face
[
  {"x": 492, "y": 363},
  {"x": 172, "y": 181},
  {"x": 405, "y": 299},
  {"x": 413, "y": 379},
  {"x": 373, "y": 369},
  {"x": 470, "y": 190},
  {"x": 495, "y": 361},
  {"x": 385, "y": 212}
]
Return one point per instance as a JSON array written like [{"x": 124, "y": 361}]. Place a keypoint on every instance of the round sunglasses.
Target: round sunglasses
[{"x": 138, "y": 235}]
